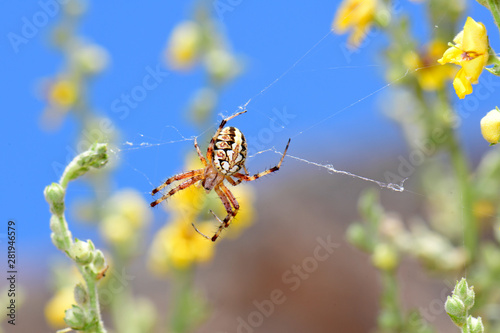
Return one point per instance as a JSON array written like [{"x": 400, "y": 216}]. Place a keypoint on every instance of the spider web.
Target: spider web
[
  {"x": 331, "y": 169},
  {"x": 147, "y": 142},
  {"x": 249, "y": 104}
]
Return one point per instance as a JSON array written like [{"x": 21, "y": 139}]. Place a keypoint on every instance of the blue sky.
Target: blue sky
[{"x": 272, "y": 37}]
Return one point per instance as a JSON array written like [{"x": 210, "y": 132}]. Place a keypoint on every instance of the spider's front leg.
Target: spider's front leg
[
  {"x": 193, "y": 176},
  {"x": 200, "y": 155}
]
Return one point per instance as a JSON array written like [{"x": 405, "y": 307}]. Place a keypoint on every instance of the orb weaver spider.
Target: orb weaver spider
[{"x": 226, "y": 154}]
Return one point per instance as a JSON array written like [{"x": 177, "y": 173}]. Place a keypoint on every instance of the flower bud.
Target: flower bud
[
  {"x": 95, "y": 157},
  {"x": 82, "y": 252},
  {"x": 221, "y": 65},
  {"x": 80, "y": 294},
  {"x": 58, "y": 241},
  {"x": 99, "y": 263},
  {"x": 75, "y": 318},
  {"x": 54, "y": 194},
  {"x": 456, "y": 310},
  {"x": 385, "y": 257},
  {"x": 475, "y": 325},
  {"x": 356, "y": 235},
  {"x": 55, "y": 224},
  {"x": 91, "y": 59},
  {"x": 464, "y": 293},
  {"x": 490, "y": 126}
]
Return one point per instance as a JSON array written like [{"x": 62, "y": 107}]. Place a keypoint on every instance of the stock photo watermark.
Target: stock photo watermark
[
  {"x": 116, "y": 283},
  {"x": 292, "y": 279},
  {"x": 425, "y": 148},
  {"x": 222, "y": 7},
  {"x": 32, "y": 24},
  {"x": 122, "y": 106},
  {"x": 130, "y": 100},
  {"x": 435, "y": 308}
]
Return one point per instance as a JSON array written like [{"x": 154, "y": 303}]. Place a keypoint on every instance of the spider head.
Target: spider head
[{"x": 211, "y": 179}]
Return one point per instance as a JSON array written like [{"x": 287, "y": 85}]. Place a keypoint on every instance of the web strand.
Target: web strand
[{"x": 330, "y": 168}]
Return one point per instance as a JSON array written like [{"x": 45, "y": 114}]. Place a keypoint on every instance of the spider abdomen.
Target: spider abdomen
[{"x": 230, "y": 151}]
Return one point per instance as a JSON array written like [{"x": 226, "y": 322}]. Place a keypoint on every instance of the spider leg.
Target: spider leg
[
  {"x": 182, "y": 186},
  {"x": 198, "y": 231},
  {"x": 227, "y": 199},
  {"x": 218, "y": 231},
  {"x": 184, "y": 175},
  {"x": 210, "y": 148},
  {"x": 200, "y": 155},
  {"x": 247, "y": 178},
  {"x": 232, "y": 181}
]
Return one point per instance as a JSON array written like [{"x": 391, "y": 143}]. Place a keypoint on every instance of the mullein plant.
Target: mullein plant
[
  {"x": 85, "y": 314},
  {"x": 177, "y": 249},
  {"x": 123, "y": 215},
  {"x": 457, "y": 306},
  {"x": 460, "y": 230},
  {"x": 199, "y": 43}
]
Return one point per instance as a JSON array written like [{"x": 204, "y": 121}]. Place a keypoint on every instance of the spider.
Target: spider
[{"x": 226, "y": 156}]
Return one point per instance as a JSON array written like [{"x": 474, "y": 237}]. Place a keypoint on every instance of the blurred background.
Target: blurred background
[{"x": 296, "y": 78}]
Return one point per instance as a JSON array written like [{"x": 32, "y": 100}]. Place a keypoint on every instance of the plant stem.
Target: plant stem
[
  {"x": 93, "y": 300},
  {"x": 67, "y": 234},
  {"x": 95, "y": 157},
  {"x": 494, "y": 6},
  {"x": 390, "y": 303},
  {"x": 462, "y": 174},
  {"x": 461, "y": 169}
]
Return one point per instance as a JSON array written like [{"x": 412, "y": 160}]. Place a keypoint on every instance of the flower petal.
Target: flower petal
[
  {"x": 475, "y": 38},
  {"x": 474, "y": 67},
  {"x": 453, "y": 55},
  {"x": 461, "y": 84}
]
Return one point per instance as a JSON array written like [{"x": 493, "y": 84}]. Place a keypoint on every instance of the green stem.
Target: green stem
[
  {"x": 461, "y": 169},
  {"x": 93, "y": 300},
  {"x": 65, "y": 231},
  {"x": 95, "y": 157},
  {"x": 494, "y": 6},
  {"x": 390, "y": 303},
  {"x": 462, "y": 174}
]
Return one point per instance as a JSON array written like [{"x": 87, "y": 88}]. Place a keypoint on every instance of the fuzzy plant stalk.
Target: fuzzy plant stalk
[
  {"x": 494, "y": 7},
  {"x": 458, "y": 305},
  {"x": 85, "y": 316}
]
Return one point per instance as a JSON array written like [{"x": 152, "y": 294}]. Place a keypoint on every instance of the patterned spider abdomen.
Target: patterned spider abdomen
[{"x": 230, "y": 151}]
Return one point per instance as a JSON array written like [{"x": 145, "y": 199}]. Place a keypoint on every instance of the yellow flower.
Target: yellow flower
[
  {"x": 58, "y": 304},
  {"x": 490, "y": 126},
  {"x": 484, "y": 209},
  {"x": 471, "y": 52},
  {"x": 184, "y": 44},
  {"x": 126, "y": 213},
  {"x": 178, "y": 245},
  {"x": 356, "y": 15},
  {"x": 385, "y": 257},
  {"x": 63, "y": 94},
  {"x": 429, "y": 76}
]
